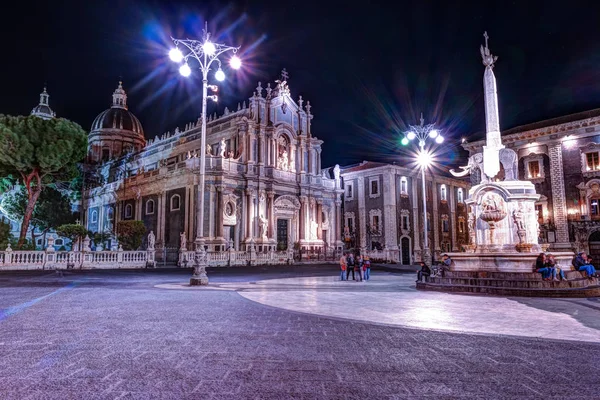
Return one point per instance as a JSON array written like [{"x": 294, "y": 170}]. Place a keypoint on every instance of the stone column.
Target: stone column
[
  {"x": 559, "y": 204},
  {"x": 416, "y": 217},
  {"x": 435, "y": 218},
  {"x": 186, "y": 220},
  {"x": 453, "y": 223},
  {"x": 249, "y": 214},
  {"x": 320, "y": 219},
  {"x": 302, "y": 217},
  {"x": 390, "y": 219},
  {"x": 338, "y": 220},
  {"x": 160, "y": 224},
  {"x": 271, "y": 214},
  {"x": 219, "y": 213},
  {"x": 138, "y": 207},
  {"x": 362, "y": 216}
]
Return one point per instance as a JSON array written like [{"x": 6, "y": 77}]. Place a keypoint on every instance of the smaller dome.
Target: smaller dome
[{"x": 43, "y": 109}]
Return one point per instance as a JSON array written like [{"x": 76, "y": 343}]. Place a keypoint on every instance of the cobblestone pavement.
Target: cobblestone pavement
[{"x": 123, "y": 335}]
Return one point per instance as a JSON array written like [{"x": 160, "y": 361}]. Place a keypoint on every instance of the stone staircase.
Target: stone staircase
[{"x": 513, "y": 284}]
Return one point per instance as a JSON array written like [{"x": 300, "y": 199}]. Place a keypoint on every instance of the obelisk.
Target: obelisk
[{"x": 493, "y": 142}]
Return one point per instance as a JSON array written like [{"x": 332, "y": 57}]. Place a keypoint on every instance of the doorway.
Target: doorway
[
  {"x": 405, "y": 246},
  {"x": 594, "y": 244},
  {"x": 282, "y": 234}
]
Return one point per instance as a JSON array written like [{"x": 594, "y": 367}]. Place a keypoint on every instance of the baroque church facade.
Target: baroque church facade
[{"x": 264, "y": 186}]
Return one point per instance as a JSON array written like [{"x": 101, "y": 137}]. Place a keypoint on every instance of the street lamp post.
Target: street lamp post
[
  {"x": 205, "y": 52},
  {"x": 421, "y": 133}
]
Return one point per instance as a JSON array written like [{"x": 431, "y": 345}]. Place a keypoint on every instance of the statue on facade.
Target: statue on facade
[
  {"x": 208, "y": 150},
  {"x": 346, "y": 233},
  {"x": 490, "y": 204},
  {"x": 222, "y": 148},
  {"x": 518, "y": 218},
  {"x": 313, "y": 230},
  {"x": 282, "y": 162},
  {"x": 263, "y": 226},
  {"x": 151, "y": 240},
  {"x": 471, "y": 222},
  {"x": 336, "y": 172},
  {"x": 183, "y": 241}
]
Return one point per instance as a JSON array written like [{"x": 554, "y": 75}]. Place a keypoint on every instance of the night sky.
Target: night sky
[{"x": 367, "y": 68}]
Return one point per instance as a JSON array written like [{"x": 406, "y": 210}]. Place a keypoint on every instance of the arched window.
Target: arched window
[
  {"x": 105, "y": 154},
  {"x": 443, "y": 193},
  {"x": 110, "y": 213},
  {"x": 459, "y": 195},
  {"x": 150, "y": 207},
  {"x": 175, "y": 202},
  {"x": 94, "y": 216},
  {"x": 128, "y": 211}
]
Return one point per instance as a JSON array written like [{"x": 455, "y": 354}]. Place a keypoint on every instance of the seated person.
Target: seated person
[
  {"x": 554, "y": 268},
  {"x": 541, "y": 267},
  {"x": 423, "y": 272},
  {"x": 445, "y": 264},
  {"x": 580, "y": 262}
]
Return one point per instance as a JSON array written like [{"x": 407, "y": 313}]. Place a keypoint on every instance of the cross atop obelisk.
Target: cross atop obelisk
[{"x": 493, "y": 143}]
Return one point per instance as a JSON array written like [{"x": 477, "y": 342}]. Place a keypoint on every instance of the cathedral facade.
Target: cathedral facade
[{"x": 264, "y": 187}]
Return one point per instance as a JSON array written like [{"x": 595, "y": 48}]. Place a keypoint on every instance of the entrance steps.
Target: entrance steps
[{"x": 513, "y": 284}]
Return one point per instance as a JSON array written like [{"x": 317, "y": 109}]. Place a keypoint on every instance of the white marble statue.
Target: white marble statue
[
  {"x": 336, "y": 172},
  {"x": 471, "y": 222},
  {"x": 263, "y": 226},
  {"x": 282, "y": 161},
  {"x": 518, "y": 218},
  {"x": 222, "y": 148},
  {"x": 183, "y": 241},
  {"x": 208, "y": 150},
  {"x": 313, "y": 230},
  {"x": 151, "y": 240}
]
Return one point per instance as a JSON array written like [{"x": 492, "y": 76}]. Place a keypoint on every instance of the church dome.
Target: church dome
[
  {"x": 118, "y": 116},
  {"x": 115, "y": 131},
  {"x": 43, "y": 109}
]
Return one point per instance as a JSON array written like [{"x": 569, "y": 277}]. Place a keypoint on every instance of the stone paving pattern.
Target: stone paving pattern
[{"x": 113, "y": 335}]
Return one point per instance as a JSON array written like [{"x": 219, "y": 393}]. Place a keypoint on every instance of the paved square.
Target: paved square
[{"x": 263, "y": 333}]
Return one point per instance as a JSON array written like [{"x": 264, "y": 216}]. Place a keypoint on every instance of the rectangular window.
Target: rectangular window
[
  {"x": 375, "y": 223},
  {"x": 594, "y": 207},
  {"x": 461, "y": 226},
  {"x": 593, "y": 161},
  {"x": 534, "y": 169},
  {"x": 349, "y": 193},
  {"x": 403, "y": 186},
  {"x": 445, "y": 225},
  {"x": 374, "y": 187},
  {"x": 405, "y": 222}
]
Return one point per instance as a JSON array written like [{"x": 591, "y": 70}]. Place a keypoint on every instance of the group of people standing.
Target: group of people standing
[{"x": 359, "y": 266}]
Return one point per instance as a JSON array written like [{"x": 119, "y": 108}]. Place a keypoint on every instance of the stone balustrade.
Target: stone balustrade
[
  {"x": 50, "y": 259},
  {"x": 233, "y": 258}
]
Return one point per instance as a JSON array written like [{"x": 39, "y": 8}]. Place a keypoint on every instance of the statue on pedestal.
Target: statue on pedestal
[
  {"x": 222, "y": 148},
  {"x": 336, "y": 172},
  {"x": 313, "y": 230},
  {"x": 263, "y": 226},
  {"x": 208, "y": 150},
  {"x": 518, "y": 218},
  {"x": 183, "y": 240},
  {"x": 151, "y": 240}
]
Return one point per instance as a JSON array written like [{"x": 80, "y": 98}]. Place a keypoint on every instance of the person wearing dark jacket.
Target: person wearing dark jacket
[
  {"x": 541, "y": 267},
  {"x": 423, "y": 272},
  {"x": 581, "y": 264},
  {"x": 351, "y": 262}
]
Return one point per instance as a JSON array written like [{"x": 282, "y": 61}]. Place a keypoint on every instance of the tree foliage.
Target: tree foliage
[
  {"x": 5, "y": 235},
  {"x": 130, "y": 234},
  {"x": 72, "y": 231},
  {"x": 38, "y": 152}
]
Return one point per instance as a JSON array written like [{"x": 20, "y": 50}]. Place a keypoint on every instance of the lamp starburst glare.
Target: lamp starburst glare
[
  {"x": 433, "y": 133},
  {"x": 185, "y": 70},
  {"x": 220, "y": 75},
  {"x": 209, "y": 48},
  {"x": 439, "y": 139},
  {"x": 411, "y": 135},
  {"x": 235, "y": 62},
  {"x": 424, "y": 158},
  {"x": 175, "y": 55}
]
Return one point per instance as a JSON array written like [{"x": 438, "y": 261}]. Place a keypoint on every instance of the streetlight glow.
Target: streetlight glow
[
  {"x": 424, "y": 158},
  {"x": 209, "y": 48},
  {"x": 411, "y": 135},
  {"x": 404, "y": 141},
  {"x": 185, "y": 70},
  {"x": 439, "y": 139},
  {"x": 235, "y": 62},
  {"x": 205, "y": 53},
  {"x": 433, "y": 133},
  {"x": 175, "y": 55}
]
